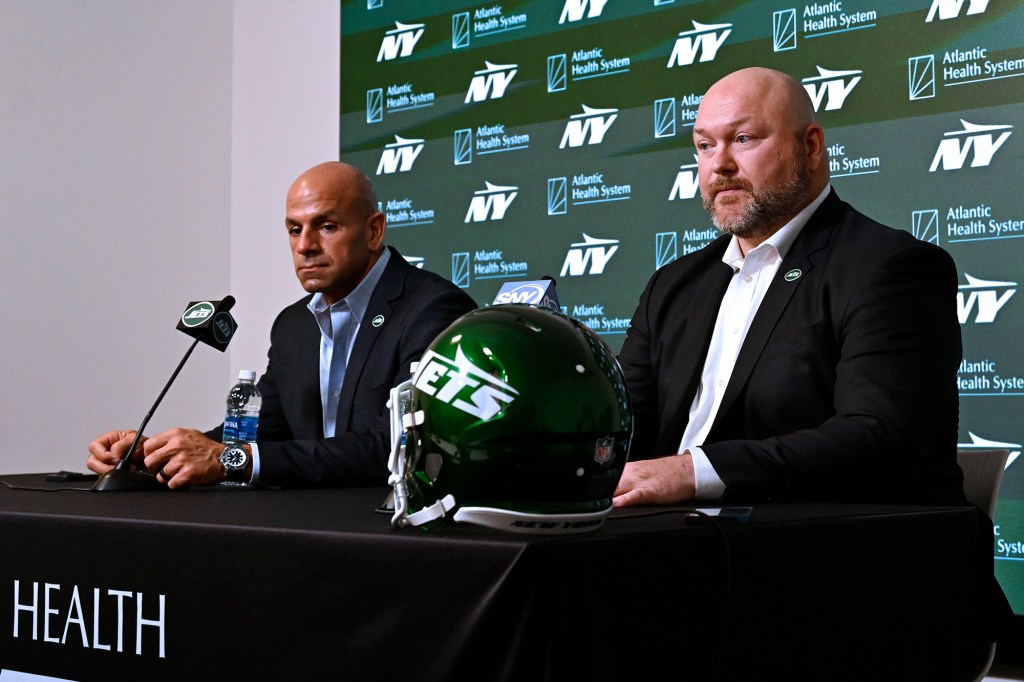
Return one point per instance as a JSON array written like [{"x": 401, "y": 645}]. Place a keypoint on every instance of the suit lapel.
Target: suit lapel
[
  {"x": 691, "y": 348},
  {"x": 793, "y": 271},
  {"x": 389, "y": 288}
]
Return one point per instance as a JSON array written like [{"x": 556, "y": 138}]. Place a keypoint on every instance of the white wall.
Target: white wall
[
  {"x": 285, "y": 120},
  {"x": 145, "y": 149}
]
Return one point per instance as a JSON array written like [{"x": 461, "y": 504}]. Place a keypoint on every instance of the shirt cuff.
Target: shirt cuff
[
  {"x": 709, "y": 486},
  {"x": 255, "y": 463}
]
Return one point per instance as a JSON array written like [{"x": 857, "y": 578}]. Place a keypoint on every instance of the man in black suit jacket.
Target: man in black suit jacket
[
  {"x": 368, "y": 309},
  {"x": 807, "y": 354}
]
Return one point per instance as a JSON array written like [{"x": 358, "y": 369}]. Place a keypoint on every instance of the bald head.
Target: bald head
[
  {"x": 775, "y": 93},
  {"x": 345, "y": 180}
]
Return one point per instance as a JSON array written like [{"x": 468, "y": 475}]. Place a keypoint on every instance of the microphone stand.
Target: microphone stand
[{"x": 121, "y": 477}]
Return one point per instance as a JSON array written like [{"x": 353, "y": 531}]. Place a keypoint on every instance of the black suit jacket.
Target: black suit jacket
[
  {"x": 845, "y": 387},
  {"x": 415, "y": 306}
]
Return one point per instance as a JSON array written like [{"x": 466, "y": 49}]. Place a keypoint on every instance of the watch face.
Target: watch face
[{"x": 234, "y": 458}]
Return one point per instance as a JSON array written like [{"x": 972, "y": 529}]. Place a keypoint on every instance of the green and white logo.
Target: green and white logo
[
  {"x": 223, "y": 327},
  {"x": 197, "y": 314},
  {"x": 793, "y": 275}
]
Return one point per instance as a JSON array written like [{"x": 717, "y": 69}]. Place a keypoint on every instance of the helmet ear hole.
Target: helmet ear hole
[{"x": 432, "y": 465}]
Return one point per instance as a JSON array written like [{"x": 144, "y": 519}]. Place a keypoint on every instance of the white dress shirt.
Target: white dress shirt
[
  {"x": 339, "y": 326},
  {"x": 753, "y": 272}
]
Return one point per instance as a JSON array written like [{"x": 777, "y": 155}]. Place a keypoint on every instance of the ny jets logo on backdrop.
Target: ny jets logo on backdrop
[
  {"x": 576, "y": 10},
  {"x": 588, "y": 128},
  {"x": 979, "y": 142},
  {"x": 687, "y": 183},
  {"x": 463, "y": 385},
  {"x": 703, "y": 40},
  {"x": 836, "y": 84},
  {"x": 399, "y": 41},
  {"x": 399, "y": 156},
  {"x": 950, "y": 9},
  {"x": 589, "y": 257},
  {"x": 982, "y": 298},
  {"x": 978, "y": 443},
  {"x": 491, "y": 82},
  {"x": 490, "y": 203}
]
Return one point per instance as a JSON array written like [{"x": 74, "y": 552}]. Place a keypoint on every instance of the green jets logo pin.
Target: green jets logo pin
[
  {"x": 793, "y": 275},
  {"x": 378, "y": 321}
]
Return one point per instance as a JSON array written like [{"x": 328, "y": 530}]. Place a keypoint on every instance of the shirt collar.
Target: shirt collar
[
  {"x": 782, "y": 239},
  {"x": 358, "y": 299}
]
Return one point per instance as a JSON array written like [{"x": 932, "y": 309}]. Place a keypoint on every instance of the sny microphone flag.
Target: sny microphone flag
[{"x": 539, "y": 292}]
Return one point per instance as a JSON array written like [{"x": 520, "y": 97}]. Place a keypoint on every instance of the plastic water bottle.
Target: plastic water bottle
[{"x": 243, "y": 410}]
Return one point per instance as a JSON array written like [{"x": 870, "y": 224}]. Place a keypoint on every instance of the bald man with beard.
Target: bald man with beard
[
  {"x": 807, "y": 354},
  {"x": 334, "y": 355}
]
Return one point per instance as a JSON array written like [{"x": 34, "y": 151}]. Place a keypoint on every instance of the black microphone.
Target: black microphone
[{"x": 206, "y": 321}]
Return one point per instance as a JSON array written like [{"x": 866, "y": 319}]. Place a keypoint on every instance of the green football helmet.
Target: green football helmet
[{"x": 516, "y": 417}]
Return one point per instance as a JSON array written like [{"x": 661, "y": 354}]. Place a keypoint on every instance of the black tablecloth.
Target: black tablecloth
[{"x": 314, "y": 585}]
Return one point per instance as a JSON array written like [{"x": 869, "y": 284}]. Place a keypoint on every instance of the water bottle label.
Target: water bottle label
[
  {"x": 247, "y": 428},
  {"x": 230, "y": 430}
]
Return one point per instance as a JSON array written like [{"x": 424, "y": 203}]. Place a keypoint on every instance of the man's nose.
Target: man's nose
[
  {"x": 722, "y": 161},
  {"x": 307, "y": 241}
]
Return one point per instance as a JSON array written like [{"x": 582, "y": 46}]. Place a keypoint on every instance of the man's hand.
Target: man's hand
[
  {"x": 668, "y": 480},
  {"x": 106, "y": 451},
  {"x": 184, "y": 457}
]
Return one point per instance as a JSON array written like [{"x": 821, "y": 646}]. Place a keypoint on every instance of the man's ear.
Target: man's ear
[
  {"x": 377, "y": 225},
  {"x": 814, "y": 143}
]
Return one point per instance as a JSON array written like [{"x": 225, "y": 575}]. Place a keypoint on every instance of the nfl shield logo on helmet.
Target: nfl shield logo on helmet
[{"x": 603, "y": 450}]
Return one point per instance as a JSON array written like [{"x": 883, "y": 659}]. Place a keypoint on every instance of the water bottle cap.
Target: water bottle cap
[{"x": 247, "y": 375}]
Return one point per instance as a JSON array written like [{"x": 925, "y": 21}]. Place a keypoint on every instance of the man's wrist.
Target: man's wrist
[{"x": 236, "y": 462}]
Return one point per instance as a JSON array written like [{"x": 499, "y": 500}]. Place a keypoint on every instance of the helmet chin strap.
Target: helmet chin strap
[{"x": 438, "y": 510}]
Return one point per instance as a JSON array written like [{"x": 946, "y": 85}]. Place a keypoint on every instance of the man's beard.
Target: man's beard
[{"x": 769, "y": 208}]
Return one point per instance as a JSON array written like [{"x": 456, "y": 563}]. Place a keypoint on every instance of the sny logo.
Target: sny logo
[
  {"x": 953, "y": 152},
  {"x": 704, "y": 38},
  {"x": 463, "y": 385},
  {"x": 490, "y": 203},
  {"x": 490, "y": 83},
  {"x": 573, "y": 10},
  {"x": 399, "y": 156},
  {"x": 591, "y": 252},
  {"x": 399, "y": 41},
  {"x": 989, "y": 297},
  {"x": 950, "y": 9},
  {"x": 833, "y": 83},
  {"x": 588, "y": 128}
]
